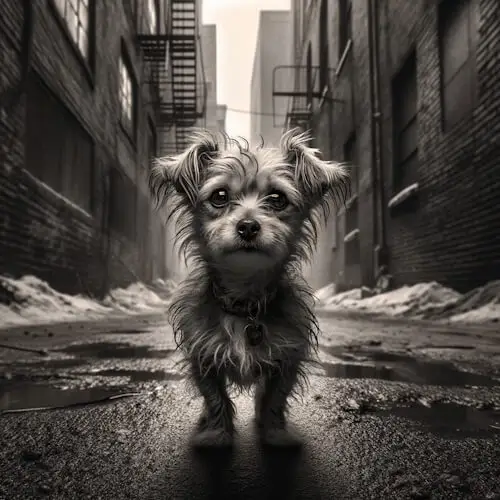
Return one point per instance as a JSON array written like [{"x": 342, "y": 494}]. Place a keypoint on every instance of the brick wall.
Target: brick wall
[
  {"x": 450, "y": 232},
  {"x": 42, "y": 232}
]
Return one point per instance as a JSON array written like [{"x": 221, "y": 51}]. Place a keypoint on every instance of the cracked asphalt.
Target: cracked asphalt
[{"x": 394, "y": 410}]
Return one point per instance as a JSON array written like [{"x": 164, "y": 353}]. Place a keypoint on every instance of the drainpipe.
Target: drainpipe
[{"x": 379, "y": 225}]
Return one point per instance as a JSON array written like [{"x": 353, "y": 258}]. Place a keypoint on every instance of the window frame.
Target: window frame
[
  {"x": 467, "y": 71},
  {"x": 352, "y": 255},
  {"x": 344, "y": 26},
  {"x": 130, "y": 132},
  {"x": 87, "y": 62},
  {"x": 406, "y": 75},
  {"x": 147, "y": 19},
  {"x": 152, "y": 135},
  {"x": 121, "y": 185},
  {"x": 324, "y": 49},
  {"x": 65, "y": 176}
]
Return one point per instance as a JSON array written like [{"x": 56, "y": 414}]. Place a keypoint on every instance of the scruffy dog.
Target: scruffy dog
[{"x": 244, "y": 316}]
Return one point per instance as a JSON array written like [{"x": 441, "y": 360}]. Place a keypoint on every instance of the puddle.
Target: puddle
[
  {"x": 105, "y": 350},
  {"x": 25, "y": 395},
  {"x": 133, "y": 375},
  {"x": 50, "y": 363},
  {"x": 127, "y": 331},
  {"x": 400, "y": 368},
  {"x": 450, "y": 420}
]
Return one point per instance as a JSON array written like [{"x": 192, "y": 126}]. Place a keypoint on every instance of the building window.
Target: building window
[
  {"x": 345, "y": 25},
  {"x": 323, "y": 45},
  {"x": 122, "y": 204},
  {"x": 152, "y": 16},
  {"x": 76, "y": 14},
  {"x": 404, "y": 106},
  {"x": 59, "y": 152},
  {"x": 352, "y": 250},
  {"x": 127, "y": 97},
  {"x": 309, "y": 77},
  {"x": 458, "y": 40},
  {"x": 351, "y": 157},
  {"x": 152, "y": 143}
]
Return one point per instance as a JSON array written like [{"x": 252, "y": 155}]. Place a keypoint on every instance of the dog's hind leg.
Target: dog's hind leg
[
  {"x": 216, "y": 424},
  {"x": 271, "y": 399}
]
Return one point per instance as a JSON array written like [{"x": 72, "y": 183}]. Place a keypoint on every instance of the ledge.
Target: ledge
[
  {"x": 351, "y": 200},
  {"x": 59, "y": 198},
  {"x": 403, "y": 195},
  {"x": 344, "y": 57},
  {"x": 351, "y": 236}
]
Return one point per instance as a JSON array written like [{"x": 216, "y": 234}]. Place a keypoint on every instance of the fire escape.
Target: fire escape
[
  {"x": 297, "y": 110},
  {"x": 177, "y": 72}
]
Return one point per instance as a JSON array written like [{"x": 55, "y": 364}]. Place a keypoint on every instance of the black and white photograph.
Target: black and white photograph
[{"x": 250, "y": 249}]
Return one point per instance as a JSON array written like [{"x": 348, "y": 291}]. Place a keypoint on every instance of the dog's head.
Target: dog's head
[{"x": 249, "y": 206}]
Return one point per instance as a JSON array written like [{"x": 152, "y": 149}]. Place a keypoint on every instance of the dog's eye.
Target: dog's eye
[
  {"x": 277, "y": 200},
  {"x": 219, "y": 198}
]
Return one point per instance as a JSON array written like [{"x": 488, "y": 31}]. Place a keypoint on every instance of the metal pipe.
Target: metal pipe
[{"x": 379, "y": 226}]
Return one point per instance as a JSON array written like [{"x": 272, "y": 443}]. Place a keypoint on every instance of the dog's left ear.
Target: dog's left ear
[
  {"x": 317, "y": 178},
  {"x": 183, "y": 173}
]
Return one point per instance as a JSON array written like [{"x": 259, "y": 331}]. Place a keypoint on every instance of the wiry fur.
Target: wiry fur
[{"x": 263, "y": 276}]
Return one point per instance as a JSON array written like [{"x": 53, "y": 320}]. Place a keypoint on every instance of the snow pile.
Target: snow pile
[
  {"x": 484, "y": 314},
  {"x": 137, "y": 297},
  {"x": 164, "y": 288},
  {"x": 424, "y": 300},
  {"x": 30, "y": 300},
  {"x": 480, "y": 305},
  {"x": 323, "y": 294}
]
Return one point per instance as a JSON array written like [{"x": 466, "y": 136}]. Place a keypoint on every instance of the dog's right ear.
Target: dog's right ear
[{"x": 183, "y": 172}]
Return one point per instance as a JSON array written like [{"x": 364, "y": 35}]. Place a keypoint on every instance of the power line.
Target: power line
[{"x": 248, "y": 112}]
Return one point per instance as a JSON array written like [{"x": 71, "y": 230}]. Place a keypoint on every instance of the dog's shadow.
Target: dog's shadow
[
  {"x": 264, "y": 473},
  {"x": 213, "y": 468},
  {"x": 280, "y": 468}
]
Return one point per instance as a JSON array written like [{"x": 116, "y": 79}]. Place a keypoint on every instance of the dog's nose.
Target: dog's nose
[{"x": 248, "y": 229}]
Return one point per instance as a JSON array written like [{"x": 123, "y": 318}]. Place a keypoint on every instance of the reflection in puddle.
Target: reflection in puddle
[
  {"x": 25, "y": 395},
  {"x": 133, "y": 375},
  {"x": 128, "y": 331},
  {"x": 401, "y": 368},
  {"x": 24, "y": 392},
  {"x": 104, "y": 350},
  {"x": 450, "y": 420}
]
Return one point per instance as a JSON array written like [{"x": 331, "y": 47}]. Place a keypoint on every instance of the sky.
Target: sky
[{"x": 237, "y": 23}]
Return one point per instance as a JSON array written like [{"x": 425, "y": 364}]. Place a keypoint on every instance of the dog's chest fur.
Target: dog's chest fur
[{"x": 214, "y": 338}]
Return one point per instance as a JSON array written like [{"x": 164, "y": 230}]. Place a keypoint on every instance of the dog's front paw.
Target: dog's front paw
[
  {"x": 282, "y": 438},
  {"x": 212, "y": 438}
]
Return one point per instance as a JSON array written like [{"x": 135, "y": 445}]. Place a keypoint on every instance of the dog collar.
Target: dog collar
[{"x": 250, "y": 309}]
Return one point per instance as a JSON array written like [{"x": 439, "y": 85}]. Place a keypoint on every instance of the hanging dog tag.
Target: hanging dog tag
[{"x": 254, "y": 333}]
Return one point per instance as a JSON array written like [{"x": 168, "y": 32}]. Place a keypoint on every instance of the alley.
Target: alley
[{"x": 392, "y": 411}]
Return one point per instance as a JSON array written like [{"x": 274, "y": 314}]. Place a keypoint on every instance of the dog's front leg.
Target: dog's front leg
[
  {"x": 216, "y": 426},
  {"x": 271, "y": 400}
]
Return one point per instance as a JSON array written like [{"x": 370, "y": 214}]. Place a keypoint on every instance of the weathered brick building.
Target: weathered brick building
[
  {"x": 80, "y": 110},
  {"x": 409, "y": 92}
]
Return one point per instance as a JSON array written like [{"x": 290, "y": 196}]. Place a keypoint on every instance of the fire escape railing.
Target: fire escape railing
[
  {"x": 301, "y": 87},
  {"x": 178, "y": 72}
]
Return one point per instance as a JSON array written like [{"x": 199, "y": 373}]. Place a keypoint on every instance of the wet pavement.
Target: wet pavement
[{"x": 102, "y": 410}]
